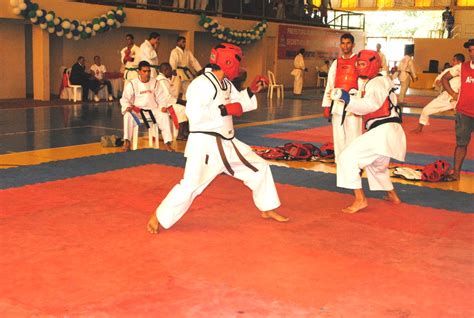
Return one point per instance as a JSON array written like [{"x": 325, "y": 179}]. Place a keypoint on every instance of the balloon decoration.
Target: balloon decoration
[
  {"x": 69, "y": 28},
  {"x": 233, "y": 36}
]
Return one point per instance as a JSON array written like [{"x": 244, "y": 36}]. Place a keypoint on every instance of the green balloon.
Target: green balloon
[
  {"x": 96, "y": 21},
  {"x": 32, "y": 13},
  {"x": 111, "y": 16},
  {"x": 50, "y": 24}
]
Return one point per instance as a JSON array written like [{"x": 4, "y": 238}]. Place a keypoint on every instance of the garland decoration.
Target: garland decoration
[
  {"x": 238, "y": 37},
  {"x": 70, "y": 29}
]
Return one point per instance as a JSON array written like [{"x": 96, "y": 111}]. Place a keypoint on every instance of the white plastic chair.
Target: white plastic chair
[
  {"x": 153, "y": 136},
  {"x": 76, "y": 89},
  {"x": 273, "y": 85},
  {"x": 320, "y": 80}
]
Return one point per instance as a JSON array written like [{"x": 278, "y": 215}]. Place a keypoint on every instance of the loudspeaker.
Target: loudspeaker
[
  {"x": 409, "y": 49},
  {"x": 433, "y": 67}
]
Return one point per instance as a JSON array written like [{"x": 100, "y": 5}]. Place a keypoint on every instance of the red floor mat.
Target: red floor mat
[
  {"x": 78, "y": 247},
  {"x": 438, "y": 139}
]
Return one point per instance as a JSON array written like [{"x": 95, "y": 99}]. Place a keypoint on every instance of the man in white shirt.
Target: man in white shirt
[
  {"x": 184, "y": 65},
  {"x": 444, "y": 101},
  {"x": 98, "y": 69},
  {"x": 342, "y": 74},
  {"x": 384, "y": 67},
  {"x": 148, "y": 52},
  {"x": 298, "y": 72},
  {"x": 145, "y": 94},
  {"x": 129, "y": 59},
  {"x": 407, "y": 73}
]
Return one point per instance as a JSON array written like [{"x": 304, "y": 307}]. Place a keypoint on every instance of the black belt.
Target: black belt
[
  {"x": 226, "y": 163},
  {"x": 385, "y": 121}
]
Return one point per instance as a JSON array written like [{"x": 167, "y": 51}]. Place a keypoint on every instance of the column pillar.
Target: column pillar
[{"x": 41, "y": 76}]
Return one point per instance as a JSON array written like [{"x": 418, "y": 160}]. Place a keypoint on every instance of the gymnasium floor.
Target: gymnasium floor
[{"x": 73, "y": 215}]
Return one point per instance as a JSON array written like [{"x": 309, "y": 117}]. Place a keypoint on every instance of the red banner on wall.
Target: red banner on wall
[{"x": 317, "y": 42}]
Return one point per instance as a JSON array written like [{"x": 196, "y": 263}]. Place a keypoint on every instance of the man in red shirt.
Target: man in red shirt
[{"x": 464, "y": 106}]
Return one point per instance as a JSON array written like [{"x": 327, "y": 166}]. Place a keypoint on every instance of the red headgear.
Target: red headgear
[
  {"x": 373, "y": 63},
  {"x": 228, "y": 57}
]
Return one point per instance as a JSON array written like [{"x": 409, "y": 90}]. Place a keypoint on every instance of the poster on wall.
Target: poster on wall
[{"x": 321, "y": 44}]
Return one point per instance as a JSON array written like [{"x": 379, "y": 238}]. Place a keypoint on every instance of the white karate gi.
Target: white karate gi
[
  {"x": 373, "y": 149},
  {"x": 128, "y": 73},
  {"x": 148, "y": 53},
  {"x": 443, "y": 101},
  {"x": 167, "y": 86},
  {"x": 298, "y": 73},
  {"x": 344, "y": 134},
  {"x": 148, "y": 95},
  {"x": 407, "y": 73},
  {"x": 204, "y": 161},
  {"x": 183, "y": 62}
]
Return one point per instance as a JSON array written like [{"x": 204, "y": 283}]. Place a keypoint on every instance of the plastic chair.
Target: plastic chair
[
  {"x": 320, "y": 80},
  {"x": 76, "y": 89},
  {"x": 153, "y": 136},
  {"x": 273, "y": 85}
]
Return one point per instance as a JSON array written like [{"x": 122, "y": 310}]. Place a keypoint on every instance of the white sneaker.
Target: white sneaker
[
  {"x": 96, "y": 98},
  {"x": 111, "y": 98}
]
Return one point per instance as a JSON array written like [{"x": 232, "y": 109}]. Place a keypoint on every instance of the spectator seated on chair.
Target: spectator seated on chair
[
  {"x": 98, "y": 69},
  {"x": 145, "y": 94},
  {"x": 79, "y": 76},
  {"x": 324, "y": 70}
]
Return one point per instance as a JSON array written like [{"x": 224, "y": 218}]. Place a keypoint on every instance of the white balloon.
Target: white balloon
[
  {"x": 77, "y": 37},
  {"x": 118, "y": 24},
  {"x": 39, "y": 13},
  {"x": 43, "y": 26},
  {"x": 22, "y": 6},
  {"x": 60, "y": 33},
  {"x": 34, "y": 20},
  {"x": 69, "y": 35},
  {"x": 56, "y": 21},
  {"x": 88, "y": 30},
  {"x": 51, "y": 29},
  {"x": 14, "y": 3},
  {"x": 110, "y": 22},
  {"x": 96, "y": 27},
  {"x": 49, "y": 17},
  {"x": 102, "y": 24}
]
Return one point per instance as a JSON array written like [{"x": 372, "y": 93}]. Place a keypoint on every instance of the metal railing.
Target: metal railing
[{"x": 271, "y": 10}]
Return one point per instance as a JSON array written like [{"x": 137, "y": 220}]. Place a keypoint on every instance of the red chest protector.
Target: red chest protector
[
  {"x": 382, "y": 112},
  {"x": 346, "y": 74}
]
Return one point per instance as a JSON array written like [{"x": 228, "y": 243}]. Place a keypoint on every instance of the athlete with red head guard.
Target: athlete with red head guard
[
  {"x": 384, "y": 137},
  {"x": 212, "y": 148}
]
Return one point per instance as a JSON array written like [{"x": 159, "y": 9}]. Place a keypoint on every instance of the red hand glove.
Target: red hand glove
[
  {"x": 327, "y": 112},
  {"x": 136, "y": 109},
  {"x": 254, "y": 87},
  {"x": 232, "y": 109}
]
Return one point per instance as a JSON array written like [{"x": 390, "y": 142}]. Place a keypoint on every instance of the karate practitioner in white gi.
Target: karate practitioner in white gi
[
  {"x": 184, "y": 65},
  {"x": 211, "y": 148},
  {"x": 145, "y": 93},
  {"x": 129, "y": 58},
  {"x": 148, "y": 52},
  {"x": 384, "y": 138},
  {"x": 444, "y": 101},
  {"x": 342, "y": 74},
  {"x": 165, "y": 78},
  {"x": 298, "y": 72}
]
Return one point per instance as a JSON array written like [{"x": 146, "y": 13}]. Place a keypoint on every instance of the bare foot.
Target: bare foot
[
  {"x": 169, "y": 148},
  {"x": 273, "y": 215},
  {"x": 126, "y": 145},
  {"x": 392, "y": 197},
  {"x": 153, "y": 224},
  {"x": 356, "y": 206}
]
